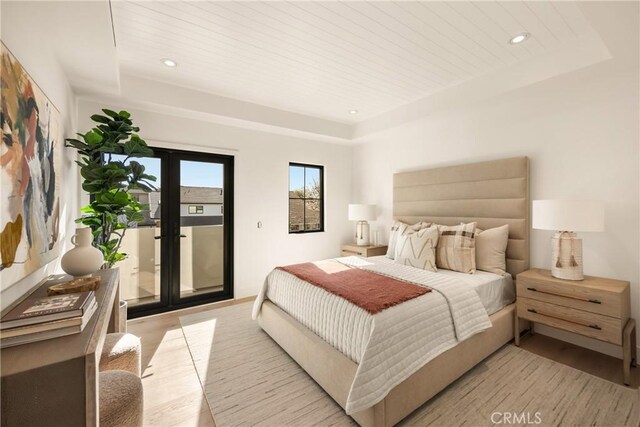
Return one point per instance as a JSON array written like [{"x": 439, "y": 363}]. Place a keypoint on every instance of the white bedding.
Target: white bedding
[
  {"x": 495, "y": 291},
  {"x": 393, "y": 344}
]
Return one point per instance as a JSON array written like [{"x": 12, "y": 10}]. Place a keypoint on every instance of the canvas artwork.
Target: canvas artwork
[{"x": 29, "y": 174}]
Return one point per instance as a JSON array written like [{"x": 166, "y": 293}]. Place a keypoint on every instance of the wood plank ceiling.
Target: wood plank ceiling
[{"x": 328, "y": 58}]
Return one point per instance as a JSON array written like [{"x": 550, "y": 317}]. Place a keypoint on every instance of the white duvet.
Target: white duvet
[{"x": 388, "y": 346}]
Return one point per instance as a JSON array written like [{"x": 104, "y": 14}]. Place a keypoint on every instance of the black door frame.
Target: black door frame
[{"x": 170, "y": 298}]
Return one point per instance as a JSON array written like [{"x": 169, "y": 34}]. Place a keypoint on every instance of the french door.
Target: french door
[{"x": 181, "y": 254}]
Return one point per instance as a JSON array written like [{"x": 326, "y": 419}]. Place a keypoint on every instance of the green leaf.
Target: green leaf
[
  {"x": 111, "y": 113},
  {"x": 92, "y": 138},
  {"x": 100, "y": 119},
  {"x": 76, "y": 143},
  {"x": 121, "y": 198}
]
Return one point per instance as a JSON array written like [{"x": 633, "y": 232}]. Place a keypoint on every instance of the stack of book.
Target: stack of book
[{"x": 42, "y": 318}]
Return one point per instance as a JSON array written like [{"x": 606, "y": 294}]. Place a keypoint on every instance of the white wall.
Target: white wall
[
  {"x": 261, "y": 187},
  {"x": 580, "y": 131},
  {"x": 31, "y": 49}
]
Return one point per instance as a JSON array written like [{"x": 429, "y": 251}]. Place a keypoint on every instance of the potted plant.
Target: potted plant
[{"x": 108, "y": 180}]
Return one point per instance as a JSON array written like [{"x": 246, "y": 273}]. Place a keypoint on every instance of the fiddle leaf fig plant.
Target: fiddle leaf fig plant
[{"x": 109, "y": 175}]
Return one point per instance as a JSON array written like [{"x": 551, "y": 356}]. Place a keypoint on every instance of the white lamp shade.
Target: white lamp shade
[
  {"x": 362, "y": 212},
  {"x": 568, "y": 215}
]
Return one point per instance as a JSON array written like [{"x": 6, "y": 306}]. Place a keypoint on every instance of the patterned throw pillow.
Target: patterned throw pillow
[
  {"x": 398, "y": 228},
  {"x": 456, "y": 248},
  {"x": 418, "y": 249}
]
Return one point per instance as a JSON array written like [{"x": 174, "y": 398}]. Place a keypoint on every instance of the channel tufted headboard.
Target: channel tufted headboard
[{"x": 491, "y": 193}]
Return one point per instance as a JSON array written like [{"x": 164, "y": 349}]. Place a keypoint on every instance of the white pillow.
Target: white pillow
[
  {"x": 491, "y": 249},
  {"x": 398, "y": 228},
  {"x": 418, "y": 249}
]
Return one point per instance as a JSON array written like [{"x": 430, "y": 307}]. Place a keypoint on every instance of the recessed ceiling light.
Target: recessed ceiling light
[
  {"x": 519, "y": 38},
  {"x": 353, "y": 111},
  {"x": 169, "y": 62}
]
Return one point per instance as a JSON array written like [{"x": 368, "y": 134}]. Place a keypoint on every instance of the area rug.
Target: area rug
[{"x": 249, "y": 380}]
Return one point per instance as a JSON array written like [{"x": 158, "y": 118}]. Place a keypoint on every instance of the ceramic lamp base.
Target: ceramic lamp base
[
  {"x": 362, "y": 233},
  {"x": 566, "y": 260}
]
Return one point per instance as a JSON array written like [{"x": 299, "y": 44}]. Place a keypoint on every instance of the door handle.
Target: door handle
[
  {"x": 159, "y": 237},
  {"x": 182, "y": 236}
]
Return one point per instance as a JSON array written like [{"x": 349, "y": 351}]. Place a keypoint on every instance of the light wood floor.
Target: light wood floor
[
  {"x": 592, "y": 362},
  {"x": 173, "y": 394}
]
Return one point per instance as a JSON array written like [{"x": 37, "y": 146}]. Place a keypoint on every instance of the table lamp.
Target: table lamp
[
  {"x": 565, "y": 217},
  {"x": 362, "y": 214}
]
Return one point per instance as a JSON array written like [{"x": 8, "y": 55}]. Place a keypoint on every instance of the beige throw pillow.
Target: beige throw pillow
[
  {"x": 491, "y": 249},
  {"x": 398, "y": 228},
  {"x": 418, "y": 249},
  {"x": 456, "y": 248}
]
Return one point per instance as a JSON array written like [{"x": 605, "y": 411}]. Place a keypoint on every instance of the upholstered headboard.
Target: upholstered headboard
[{"x": 491, "y": 193}]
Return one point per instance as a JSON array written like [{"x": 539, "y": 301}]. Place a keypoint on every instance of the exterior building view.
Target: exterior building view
[{"x": 198, "y": 205}]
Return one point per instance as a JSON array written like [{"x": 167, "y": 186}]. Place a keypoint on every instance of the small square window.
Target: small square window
[{"x": 196, "y": 209}]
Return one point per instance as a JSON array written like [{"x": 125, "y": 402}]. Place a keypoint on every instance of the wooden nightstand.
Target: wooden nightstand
[
  {"x": 594, "y": 307},
  {"x": 351, "y": 249}
]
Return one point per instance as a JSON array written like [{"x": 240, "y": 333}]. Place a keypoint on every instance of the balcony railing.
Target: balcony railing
[{"x": 201, "y": 262}]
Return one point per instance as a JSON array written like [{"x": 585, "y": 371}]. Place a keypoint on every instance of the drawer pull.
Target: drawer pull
[
  {"x": 593, "y": 301},
  {"x": 594, "y": 326}
]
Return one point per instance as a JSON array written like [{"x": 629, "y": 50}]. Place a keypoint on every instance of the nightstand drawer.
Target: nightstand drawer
[
  {"x": 597, "y": 326},
  {"x": 574, "y": 296},
  {"x": 363, "y": 251},
  {"x": 351, "y": 253}
]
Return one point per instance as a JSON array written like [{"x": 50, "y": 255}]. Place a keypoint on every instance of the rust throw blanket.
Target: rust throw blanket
[{"x": 370, "y": 291}]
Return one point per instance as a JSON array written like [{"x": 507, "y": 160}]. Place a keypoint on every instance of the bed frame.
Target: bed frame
[{"x": 491, "y": 193}]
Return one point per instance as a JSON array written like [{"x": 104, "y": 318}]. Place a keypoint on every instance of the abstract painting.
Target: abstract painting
[{"x": 29, "y": 174}]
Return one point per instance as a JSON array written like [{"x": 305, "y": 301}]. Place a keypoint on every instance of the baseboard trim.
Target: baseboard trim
[{"x": 194, "y": 309}]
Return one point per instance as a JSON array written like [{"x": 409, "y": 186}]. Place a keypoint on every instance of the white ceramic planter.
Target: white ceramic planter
[{"x": 84, "y": 258}]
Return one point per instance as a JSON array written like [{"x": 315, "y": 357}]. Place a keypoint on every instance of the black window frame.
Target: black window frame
[{"x": 320, "y": 168}]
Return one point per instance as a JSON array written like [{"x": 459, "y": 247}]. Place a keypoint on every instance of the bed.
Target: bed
[{"x": 490, "y": 193}]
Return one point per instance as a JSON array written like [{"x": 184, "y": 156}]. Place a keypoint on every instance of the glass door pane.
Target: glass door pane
[
  {"x": 202, "y": 233},
  {"x": 140, "y": 275}
]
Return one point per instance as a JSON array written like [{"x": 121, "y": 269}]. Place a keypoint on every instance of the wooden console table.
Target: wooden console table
[{"x": 55, "y": 382}]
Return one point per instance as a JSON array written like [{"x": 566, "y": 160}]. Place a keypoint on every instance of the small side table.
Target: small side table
[
  {"x": 351, "y": 249},
  {"x": 594, "y": 307}
]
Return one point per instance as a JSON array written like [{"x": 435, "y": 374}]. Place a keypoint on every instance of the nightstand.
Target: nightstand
[
  {"x": 351, "y": 249},
  {"x": 594, "y": 307}
]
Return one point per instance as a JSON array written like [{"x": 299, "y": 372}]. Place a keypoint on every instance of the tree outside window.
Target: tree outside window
[{"x": 306, "y": 198}]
